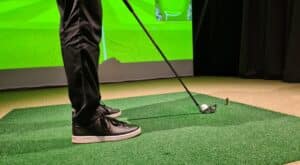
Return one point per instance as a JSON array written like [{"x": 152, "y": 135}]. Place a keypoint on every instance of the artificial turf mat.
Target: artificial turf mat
[{"x": 173, "y": 133}]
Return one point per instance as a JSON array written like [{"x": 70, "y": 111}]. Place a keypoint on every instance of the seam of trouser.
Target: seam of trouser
[
  {"x": 79, "y": 24},
  {"x": 80, "y": 47}
]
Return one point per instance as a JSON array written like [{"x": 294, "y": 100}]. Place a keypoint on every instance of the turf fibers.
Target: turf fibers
[{"x": 173, "y": 133}]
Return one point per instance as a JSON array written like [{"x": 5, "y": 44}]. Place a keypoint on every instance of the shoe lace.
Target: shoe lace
[
  {"x": 100, "y": 115},
  {"x": 105, "y": 107},
  {"x": 118, "y": 122}
]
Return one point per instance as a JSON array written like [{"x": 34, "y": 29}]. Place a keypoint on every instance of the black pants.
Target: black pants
[{"x": 80, "y": 34}]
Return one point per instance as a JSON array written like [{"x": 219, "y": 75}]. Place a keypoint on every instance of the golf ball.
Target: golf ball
[{"x": 204, "y": 107}]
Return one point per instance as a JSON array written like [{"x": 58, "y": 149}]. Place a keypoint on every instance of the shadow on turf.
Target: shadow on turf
[
  {"x": 10, "y": 147},
  {"x": 19, "y": 128},
  {"x": 161, "y": 117},
  {"x": 181, "y": 113}
]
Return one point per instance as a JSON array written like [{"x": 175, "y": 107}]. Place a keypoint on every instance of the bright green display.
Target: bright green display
[
  {"x": 174, "y": 132},
  {"x": 29, "y": 35}
]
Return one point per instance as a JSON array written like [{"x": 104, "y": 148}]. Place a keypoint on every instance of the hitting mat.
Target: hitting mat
[{"x": 173, "y": 133}]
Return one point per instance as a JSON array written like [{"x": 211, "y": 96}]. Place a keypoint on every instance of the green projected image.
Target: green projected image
[
  {"x": 179, "y": 11},
  {"x": 29, "y": 35}
]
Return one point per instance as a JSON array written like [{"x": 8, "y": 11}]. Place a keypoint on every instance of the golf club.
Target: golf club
[
  {"x": 204, "y": 108},
  {"x": 202, "y": 16}
]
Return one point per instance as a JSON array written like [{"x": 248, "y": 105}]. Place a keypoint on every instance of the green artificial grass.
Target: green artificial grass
[{"x": 173, "y": 133}]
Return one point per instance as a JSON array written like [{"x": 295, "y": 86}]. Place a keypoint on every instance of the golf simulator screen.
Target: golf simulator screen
[{"x": 29, "y": 32}]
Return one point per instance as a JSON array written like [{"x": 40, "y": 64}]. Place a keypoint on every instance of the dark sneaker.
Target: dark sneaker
[
  {"x": 103, "y": 129},
  {"x": 110, "y": 112}
]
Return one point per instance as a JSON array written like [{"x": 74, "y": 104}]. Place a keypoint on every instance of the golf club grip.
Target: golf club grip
[{"x": 128, "y": 5}]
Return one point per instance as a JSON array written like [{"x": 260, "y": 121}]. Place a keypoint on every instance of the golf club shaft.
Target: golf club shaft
[
  {"x": 202, "y": 16},
  {"x": 161, "y": 52}
]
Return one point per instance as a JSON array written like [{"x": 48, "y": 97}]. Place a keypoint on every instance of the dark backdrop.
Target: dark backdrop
[
  {"x": 248, "y": 38},
  {"x": 216, "y": 45}
]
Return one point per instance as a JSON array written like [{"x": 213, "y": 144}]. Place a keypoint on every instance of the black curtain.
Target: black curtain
[
  {"x": 215, "y": 48},
  {"x": 251, "y": 38}
]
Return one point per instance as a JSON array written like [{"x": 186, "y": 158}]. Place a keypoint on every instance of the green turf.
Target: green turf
[{"x": 173, "y": 133}]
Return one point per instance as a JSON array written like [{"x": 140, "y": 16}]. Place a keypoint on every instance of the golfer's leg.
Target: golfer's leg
[{"x": 80, "y": 34}]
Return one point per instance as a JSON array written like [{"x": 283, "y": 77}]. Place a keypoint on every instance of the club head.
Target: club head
[{"x": 205, "y": 109}]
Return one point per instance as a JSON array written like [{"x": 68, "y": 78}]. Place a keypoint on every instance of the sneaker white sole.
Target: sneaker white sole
[
  {"x": 115, "y": 115},
  {"x": 98, "y": 139}
]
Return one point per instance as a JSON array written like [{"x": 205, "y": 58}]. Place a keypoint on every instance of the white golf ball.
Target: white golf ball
[{"x": 204, "y": 107}]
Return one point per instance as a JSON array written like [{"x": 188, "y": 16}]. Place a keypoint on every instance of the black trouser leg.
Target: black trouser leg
[{"x": 80, "y": 34}]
